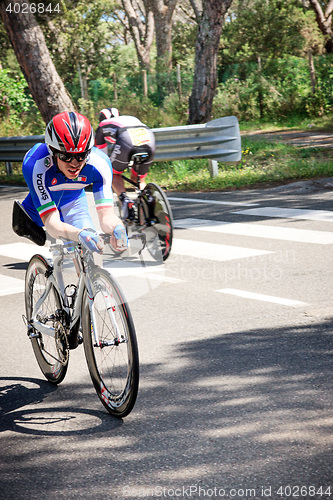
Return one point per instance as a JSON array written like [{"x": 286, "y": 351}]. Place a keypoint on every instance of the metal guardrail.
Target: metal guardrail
[{"x": 217, "y": 140}]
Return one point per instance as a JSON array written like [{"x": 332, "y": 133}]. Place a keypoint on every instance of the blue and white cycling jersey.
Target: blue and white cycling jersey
[{"x": 50, "y": 190}]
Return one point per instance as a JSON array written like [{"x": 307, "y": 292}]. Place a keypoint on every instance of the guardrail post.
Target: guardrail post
[
  {"x": 9, "y": 168},
  {"x": 213, "y": 167}
]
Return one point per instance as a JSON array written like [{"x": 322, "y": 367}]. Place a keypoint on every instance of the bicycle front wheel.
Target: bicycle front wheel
[
  {"x": 159, "y": 212},
  {"x": 51, "y": 352},
  {"x": 110, "y": 344}
]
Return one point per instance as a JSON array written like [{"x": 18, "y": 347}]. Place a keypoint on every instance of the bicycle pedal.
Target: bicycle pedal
[{"x": 33, "y": 334}]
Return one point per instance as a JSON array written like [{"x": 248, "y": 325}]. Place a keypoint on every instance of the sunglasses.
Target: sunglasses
[{"x": 67, "y": 157}]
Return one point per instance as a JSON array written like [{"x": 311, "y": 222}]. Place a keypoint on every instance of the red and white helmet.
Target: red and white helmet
[
  {"x": 69, "y": 132},
  {"x": 107, "y": 113}
]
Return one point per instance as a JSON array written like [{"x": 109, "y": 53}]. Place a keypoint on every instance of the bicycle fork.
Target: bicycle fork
[{"x": 111, "y": 309}]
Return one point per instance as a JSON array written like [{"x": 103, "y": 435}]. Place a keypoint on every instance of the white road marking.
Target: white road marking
[
  {"x": 150, "y": 275},
  {"x": 289, "y": 213},
  {"x": 213, "y": 251},
  {"x": 23, "y": 251},
  {"x": 262, "y": 297},
  {"x": 9, "y": 285},
  {"x": 214, "y": 202},
  {"x": 198, "y": 249},
  {"x": 257, "y": 230},
  {"x": 120, "y": 268}
]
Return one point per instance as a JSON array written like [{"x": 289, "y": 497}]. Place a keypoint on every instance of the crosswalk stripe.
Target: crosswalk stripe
[
  {"x": 197, "y": 249},
  {"x": 289, "y": 213},
  {"x": 214, "y": 202},
  {"x": 213, "y": 251},
  {"x": 23, "y": 251},
  {"x": 9, "y": 285},
  {"x": 257, "y": 230},
  {"x": 262, "y": 297}
]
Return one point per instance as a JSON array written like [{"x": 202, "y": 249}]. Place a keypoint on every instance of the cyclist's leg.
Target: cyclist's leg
[
  {"x": 77, "y": 214},
  {"x": 141, "y": 172},
  {"x": 126, "y": 205}
]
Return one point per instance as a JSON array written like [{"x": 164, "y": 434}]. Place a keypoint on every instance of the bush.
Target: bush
[
  {"x": 13, "y": 98},
  {"x": 175, "y": 111}
]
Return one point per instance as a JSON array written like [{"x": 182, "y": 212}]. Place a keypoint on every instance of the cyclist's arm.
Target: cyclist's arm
[
  {"x": 108, "y": 219},
  {"x": 111, "y": 224},
  {"x": 58, "y": 229}
]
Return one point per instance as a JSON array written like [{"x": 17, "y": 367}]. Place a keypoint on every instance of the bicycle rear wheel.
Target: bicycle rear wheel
[
  {"x": 160, "y": 214},
  {"x": 113, "y": 362},
  {"x": 51, "y": 352}
]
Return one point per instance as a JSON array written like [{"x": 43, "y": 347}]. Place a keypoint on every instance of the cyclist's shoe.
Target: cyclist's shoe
[
  {"x": 127, "y": 208},
  {"x": 75, "y": 338}
]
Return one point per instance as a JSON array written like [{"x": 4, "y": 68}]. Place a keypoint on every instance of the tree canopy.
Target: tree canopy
[{"x": 272, "y": 58}]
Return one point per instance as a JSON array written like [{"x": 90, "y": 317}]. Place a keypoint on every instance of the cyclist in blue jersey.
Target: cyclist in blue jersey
[{"x": 57, "y": 173}]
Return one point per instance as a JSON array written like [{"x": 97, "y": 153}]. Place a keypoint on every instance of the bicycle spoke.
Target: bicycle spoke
[
  {"x": 110, "y": 346},
  {"x": 51, "y": 352}
]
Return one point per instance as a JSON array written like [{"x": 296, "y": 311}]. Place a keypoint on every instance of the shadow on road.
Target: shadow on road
[
  {"x": 249, "y": 409},
  {"x": 24, "y": 408}
]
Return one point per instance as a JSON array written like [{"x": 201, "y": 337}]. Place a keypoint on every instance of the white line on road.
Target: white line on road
[
  {"x": 198, "y": 249},
  {"x": 289, "y": 213},
  {"x": 214, "y": 202},
  {"x": 23, "y": 251},
  {"x": 257, "y": 230},
  {"x": 213, "y": 251},
  {"x": 9, "y": 285},
  {"x": 264, "y": 298}
]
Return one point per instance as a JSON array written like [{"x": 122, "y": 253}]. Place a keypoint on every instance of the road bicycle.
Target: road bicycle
[
  {"x": 57, "y": 314},
  {"x": 153, "y": 214}
]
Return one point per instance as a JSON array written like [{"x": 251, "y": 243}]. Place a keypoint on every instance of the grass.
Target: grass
[{"x": 263, "y": 163}]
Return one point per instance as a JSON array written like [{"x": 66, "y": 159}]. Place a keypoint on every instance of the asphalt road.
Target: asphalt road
[{"x": 235, "y": 339}]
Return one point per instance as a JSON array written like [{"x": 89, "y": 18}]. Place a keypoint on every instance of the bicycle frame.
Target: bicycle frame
[
  {"x": 89, "y": 309},
  {"x": 56, "y": 279}
]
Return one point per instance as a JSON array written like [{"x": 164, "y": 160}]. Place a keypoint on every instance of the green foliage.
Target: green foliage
[
  {"x": 82, "y": 35},
  {"x": 174, "y": 111},
  {"x": 283, "y": 88},
  {"x": 13, "y": 98},
  {"x": 12, "y": 93},
  {"x": 238, "y": 98},
  {"x": 263, "y": 163},
  {"x": 263, "y": 68},
  {"x": 183, "y": 42},
  {"x": 265, "y": 29}
]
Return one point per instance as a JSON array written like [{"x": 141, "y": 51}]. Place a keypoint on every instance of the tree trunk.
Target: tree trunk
[
  {"x": 27, "y": 39},
  {"x": 260, "y": 89},
  {"x": 163, "y": 12},
  {"x": 324, "y": 21},
  {"x": 141, "y": 27},
  {"x": 206, "y": 52},
  {"x": 312, "y": 72}
]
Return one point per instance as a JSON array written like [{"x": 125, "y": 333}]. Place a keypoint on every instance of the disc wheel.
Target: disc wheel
[
  {"x": 113, "y": 359},
  {"x": 160, "y": 227},
  {"x": 51, "y": 352}
]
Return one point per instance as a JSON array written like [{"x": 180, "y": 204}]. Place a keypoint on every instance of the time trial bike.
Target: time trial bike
[
  {"x": 57, "y": 313},
  {"x": 153, "y": 214}
]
